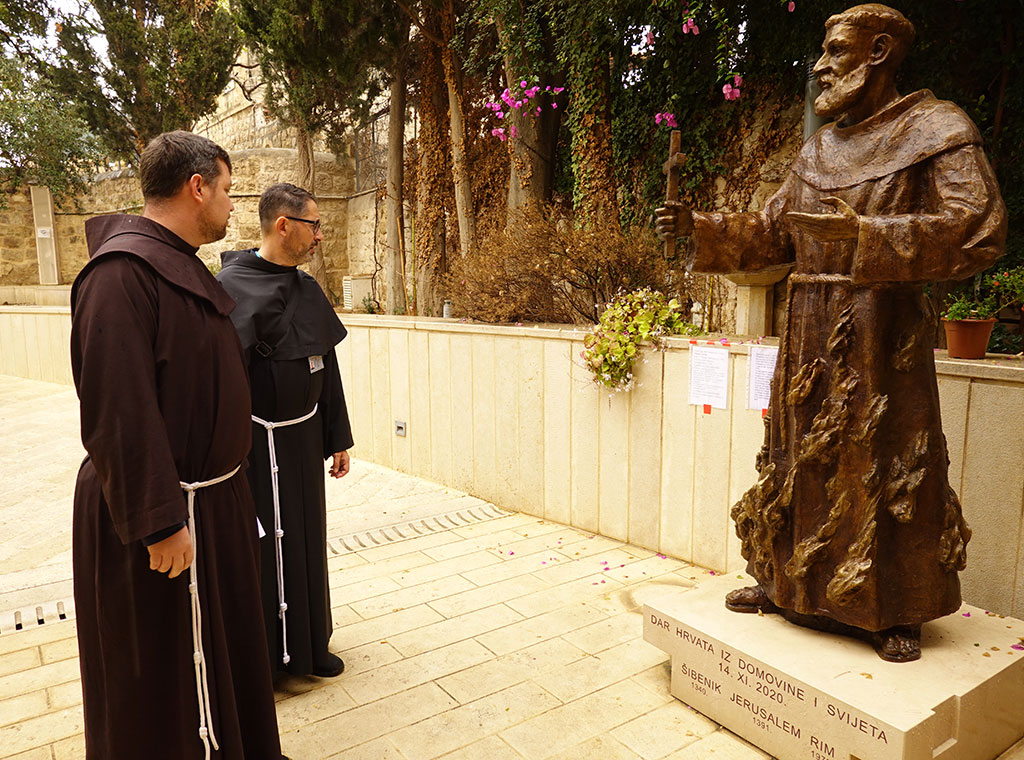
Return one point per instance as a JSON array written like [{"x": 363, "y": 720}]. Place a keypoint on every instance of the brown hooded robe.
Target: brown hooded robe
[
  {"x": 164, "y": 397},
  {"x": 853, "y": 517}
]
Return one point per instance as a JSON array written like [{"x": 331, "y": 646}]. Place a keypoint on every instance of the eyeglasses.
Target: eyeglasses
[{"x": 314, "y": 222}]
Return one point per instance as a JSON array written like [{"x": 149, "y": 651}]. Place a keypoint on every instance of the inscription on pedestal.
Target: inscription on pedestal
[{"x": 769, "y": 709}]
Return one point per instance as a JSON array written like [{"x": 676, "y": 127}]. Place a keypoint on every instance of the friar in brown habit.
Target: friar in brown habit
[
  {"x": 852, "y": 525},
  {"x": 166, "y": 564}
]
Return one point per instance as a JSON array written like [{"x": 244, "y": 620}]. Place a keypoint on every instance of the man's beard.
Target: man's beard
[
  {"x": 843, "y": 94},
  {"x": 210, "y": 229}
]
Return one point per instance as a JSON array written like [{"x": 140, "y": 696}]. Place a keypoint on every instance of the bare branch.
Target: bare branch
[{"x": 419, "y": 24}]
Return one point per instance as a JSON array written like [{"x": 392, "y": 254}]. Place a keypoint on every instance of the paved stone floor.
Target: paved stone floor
[{"x": 468, "y": 633}]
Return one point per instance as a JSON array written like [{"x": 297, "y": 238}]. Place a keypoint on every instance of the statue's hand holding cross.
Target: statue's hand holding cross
[{"x": 673, "y": 218}]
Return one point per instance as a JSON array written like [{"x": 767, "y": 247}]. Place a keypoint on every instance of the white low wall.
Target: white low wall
[{"x": 509, "y": 414}]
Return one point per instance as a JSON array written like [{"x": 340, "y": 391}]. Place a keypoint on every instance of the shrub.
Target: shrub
[{"x": 542, "y": 268}]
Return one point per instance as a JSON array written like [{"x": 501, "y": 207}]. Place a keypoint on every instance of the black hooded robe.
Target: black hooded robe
[
  {"x": 160, "y": 375},
  {"x": 285, "y": 386}
]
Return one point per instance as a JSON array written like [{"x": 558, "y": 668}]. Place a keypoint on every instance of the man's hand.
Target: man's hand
[
  {"x": 173, "y": 555},
  {"x": 842, "y": 225},
  {"x": 673, "y": 219},
  {"x": 340, "y": 465}
]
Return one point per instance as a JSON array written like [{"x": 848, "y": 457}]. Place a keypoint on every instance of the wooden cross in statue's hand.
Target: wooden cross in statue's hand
[{"x": 671, "y": 170}]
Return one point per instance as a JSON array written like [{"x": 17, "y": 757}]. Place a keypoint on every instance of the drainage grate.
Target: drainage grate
[
  {"x": 414, "y": 529},
  {"x": 29, "y": 617}
]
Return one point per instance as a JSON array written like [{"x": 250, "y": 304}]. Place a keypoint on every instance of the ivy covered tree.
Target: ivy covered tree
[{"x": 136, "y": 68}]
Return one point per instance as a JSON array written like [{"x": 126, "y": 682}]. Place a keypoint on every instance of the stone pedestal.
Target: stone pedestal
[
  {"x": 803, "y": 695},
  {"x": 755, "y": 300}
]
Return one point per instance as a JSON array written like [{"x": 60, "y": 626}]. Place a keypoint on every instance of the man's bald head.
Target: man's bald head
[{"x": 880, "y": 19}]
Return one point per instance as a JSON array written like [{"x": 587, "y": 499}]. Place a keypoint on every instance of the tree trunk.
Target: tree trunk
[
  {"x": 433, "y": 193},
  {"x": 460, "y": 168},
  {"x": 307, "y": 181},
  {"x": 532, "y": 153},
  {"x": 396, "y": 296}
]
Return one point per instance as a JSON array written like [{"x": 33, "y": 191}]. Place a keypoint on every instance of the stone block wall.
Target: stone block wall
[
  {"x": 115, "y": 192},
  {"x": 18, "y": 263},
  {"x": 254, "y": 170}
]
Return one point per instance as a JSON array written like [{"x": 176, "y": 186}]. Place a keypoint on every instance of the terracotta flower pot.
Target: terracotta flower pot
[{"x": 968, "y": 338}]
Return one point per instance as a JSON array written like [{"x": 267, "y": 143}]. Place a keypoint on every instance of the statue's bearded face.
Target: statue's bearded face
[{"x": 843, "y": 69}]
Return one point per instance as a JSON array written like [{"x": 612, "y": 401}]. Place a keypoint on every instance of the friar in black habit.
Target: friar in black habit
[
  {"x": 166, "y": 558},
  {"x": 289, "y": 330}
]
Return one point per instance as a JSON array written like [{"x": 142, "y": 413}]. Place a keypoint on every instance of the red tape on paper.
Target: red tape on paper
[{"x": 707, "y": 408}]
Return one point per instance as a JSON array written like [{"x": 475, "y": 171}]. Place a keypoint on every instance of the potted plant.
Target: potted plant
[{"x": 970, "y": 314}]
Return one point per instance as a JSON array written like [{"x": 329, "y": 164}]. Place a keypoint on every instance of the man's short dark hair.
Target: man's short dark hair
[
  {"x": 172, "y": 158},
  {"x": 283, "y": 199},
  {"x": 880, "y": 19}
]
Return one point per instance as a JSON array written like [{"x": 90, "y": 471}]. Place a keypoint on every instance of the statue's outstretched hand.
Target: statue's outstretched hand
[
  {"x": 842, "y": 225},
  {"x": 673, "y": 219}
]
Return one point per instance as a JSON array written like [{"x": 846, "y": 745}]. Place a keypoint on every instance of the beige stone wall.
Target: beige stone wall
[
  {"x": 18, "y": 263},
  {"x": 254, "y": 170},
  {"x": 115, "y": 192}
]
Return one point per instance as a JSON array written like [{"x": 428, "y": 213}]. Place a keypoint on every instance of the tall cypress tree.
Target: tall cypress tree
[{"x": 163, "y": 66}]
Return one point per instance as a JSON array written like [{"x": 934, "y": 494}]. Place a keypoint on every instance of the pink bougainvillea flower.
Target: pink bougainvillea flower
[
  {"x": 554, "y": 105},
  {"x": 791, "y": 7},
  {"x": 523, "y": 83},
  {"x": 650, "y": 38},
  {"x": 737, "y": 80},
  {"x": 557, "y": 90},
  {"x": 727, "y": 90},
  {"x": 512, "y": 131},
  {"x": 537, "y": 112},
  {"x": 1018, "y": 647},
  {"x": 658, "y": 117},
  {"x": 670, "y": 120}
]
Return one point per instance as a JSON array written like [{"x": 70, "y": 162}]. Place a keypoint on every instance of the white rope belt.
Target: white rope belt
[
  {"x": 278, "y": 532},
  {"x": 198, "y": 657}
]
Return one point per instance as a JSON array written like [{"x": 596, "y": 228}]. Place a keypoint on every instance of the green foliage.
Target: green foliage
[
  {"x": 631, "y": 321},
  {"x": 39, "y": 141},
  {"x": 987, "y": 295},
  {"x": 165, "y": 63},
  {"x": 322, "y": 63}
]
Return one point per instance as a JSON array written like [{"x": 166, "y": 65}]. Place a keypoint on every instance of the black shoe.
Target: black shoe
[{"x": 331, "y": 668}]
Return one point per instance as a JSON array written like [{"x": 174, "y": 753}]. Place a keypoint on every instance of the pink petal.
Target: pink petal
[
  {"x": 554, "y": 105},
  {"x": 523, "y": 83},
  {"x": 791, "y": 7},
  {"x": 738, "y": 80}
]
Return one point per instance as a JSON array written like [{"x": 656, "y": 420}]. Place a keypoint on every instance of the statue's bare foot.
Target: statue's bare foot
[
  {"x": 749, "y": 599},
  {"x": 901, "y": 643}
]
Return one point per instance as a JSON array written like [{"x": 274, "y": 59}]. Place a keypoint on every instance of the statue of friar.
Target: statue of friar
[{"x": 852, "y": 525}]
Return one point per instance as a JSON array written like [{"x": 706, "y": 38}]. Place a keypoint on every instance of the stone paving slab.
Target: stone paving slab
[{"x": 506, "y": 639}]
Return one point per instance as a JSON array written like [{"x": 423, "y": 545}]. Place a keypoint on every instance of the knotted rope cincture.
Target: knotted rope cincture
[
  {"x": 198, "y": 656},
  {"x": 278, "y": 532}
]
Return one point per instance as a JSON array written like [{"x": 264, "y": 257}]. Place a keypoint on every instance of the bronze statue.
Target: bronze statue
[{"x": 852, "y": 525}]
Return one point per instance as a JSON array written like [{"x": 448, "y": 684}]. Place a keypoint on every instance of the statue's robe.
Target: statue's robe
[
  {"x": 284, "y": 388},
  {"x": 159, "y": 372},
  {"x": 853, "y": 517}
]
